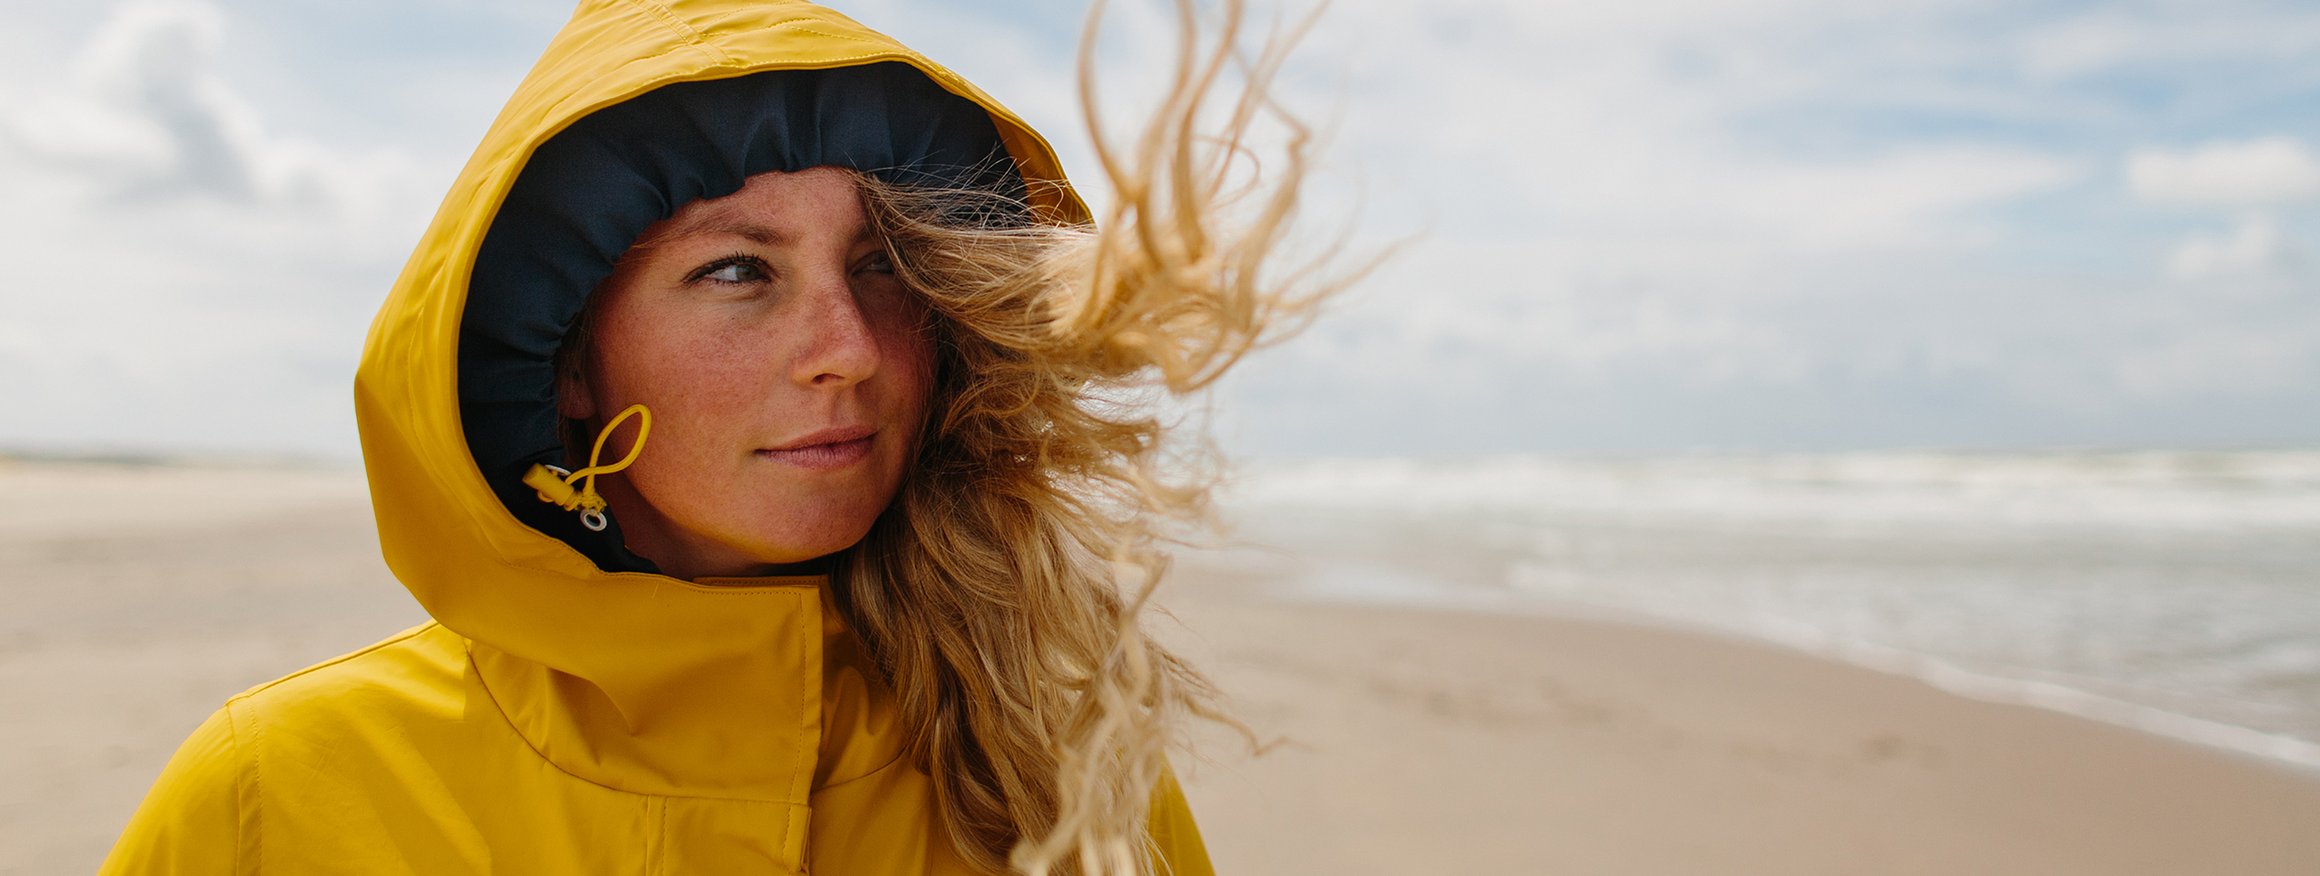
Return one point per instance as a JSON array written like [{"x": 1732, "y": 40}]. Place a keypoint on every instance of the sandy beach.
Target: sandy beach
[{"x": 1407, "y": 741}]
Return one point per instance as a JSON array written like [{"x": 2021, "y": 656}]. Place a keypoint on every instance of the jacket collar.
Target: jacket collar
[{"x": 736, "y": 714}]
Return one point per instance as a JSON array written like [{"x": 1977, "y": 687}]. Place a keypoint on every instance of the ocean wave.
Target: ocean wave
[
  {"x": 2172, "y": 490},
  {"x": 2169, "y": 592}
]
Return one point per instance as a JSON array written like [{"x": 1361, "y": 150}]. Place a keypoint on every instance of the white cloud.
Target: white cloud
[
  {"x": 2254, "y": 245},
  {"x": 2209, "y": 360},
  {"x": 196, "y": 280},
  {"x": 142, "y": 107},
  {"x": 2159, "y": 37},
  {"x": 2264, "y": 171},
  {"x": 1773, "y": 211},
  {"x": 145, "y": 115},
  {"x": 1906, "y": 198},
  {"x": 1813, "y": 205}
]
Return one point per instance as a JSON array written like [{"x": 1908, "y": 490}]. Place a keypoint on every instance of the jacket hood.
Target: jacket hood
[{"x": 623, "y": 677}]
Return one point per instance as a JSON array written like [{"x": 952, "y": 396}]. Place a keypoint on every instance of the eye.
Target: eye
[
  {"x": 731, "y": 269},
  {"x": 877, "y": 262}
]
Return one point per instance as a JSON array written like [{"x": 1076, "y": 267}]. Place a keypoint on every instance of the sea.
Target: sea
[{"x": 2174, "y": 592}]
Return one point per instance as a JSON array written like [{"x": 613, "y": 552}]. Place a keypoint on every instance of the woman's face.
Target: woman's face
[{"x": 786, "y": 368}]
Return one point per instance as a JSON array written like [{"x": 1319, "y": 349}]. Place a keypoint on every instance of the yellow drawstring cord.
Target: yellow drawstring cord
[{"x": 555, "y": 484}]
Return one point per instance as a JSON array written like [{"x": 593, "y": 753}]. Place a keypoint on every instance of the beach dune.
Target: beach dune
[{"x": 1405, "y": 741}]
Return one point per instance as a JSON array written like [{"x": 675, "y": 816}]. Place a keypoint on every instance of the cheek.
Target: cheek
[
  {"x": 909, "y": 354},
  {"x": 666, "y": 363}
]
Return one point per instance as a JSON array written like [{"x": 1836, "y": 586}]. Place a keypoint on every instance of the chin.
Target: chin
[{"x": 800, "y": 544}]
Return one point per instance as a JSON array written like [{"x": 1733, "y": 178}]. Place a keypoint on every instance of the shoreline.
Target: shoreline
[{"x": 2294, "y": 754}]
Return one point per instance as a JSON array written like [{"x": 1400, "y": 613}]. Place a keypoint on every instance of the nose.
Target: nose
[{"x": 838, "y": 347}]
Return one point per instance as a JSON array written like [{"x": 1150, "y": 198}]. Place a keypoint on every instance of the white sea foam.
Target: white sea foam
[
  {"x": 2176, "y": 593},
  {"x": 2196, "y": 491}
]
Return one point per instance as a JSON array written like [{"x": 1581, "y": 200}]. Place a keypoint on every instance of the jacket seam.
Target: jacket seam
[
  {"x": 660, "y": 863},
  {"x": 899, "y": 755},
  {"x": 556, "y": 108},
  {"x": 654, "y": 578},
  {"x": 257, "y": 803},
  {"x": 722, "y": 61},
  {"x": 834, "y": 63},
  {"x": 396, "y": 639},
  {"x": 799, "y": 837},
  {"x": 801, "y": 772},
  {"x": 669, "y": 20},
  {"x": 851, "y": 38}
]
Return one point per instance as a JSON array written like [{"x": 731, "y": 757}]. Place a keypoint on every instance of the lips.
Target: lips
[{"x": 833, "y": 448}]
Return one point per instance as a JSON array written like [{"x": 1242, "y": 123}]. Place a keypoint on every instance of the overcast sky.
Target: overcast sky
[{"x": 1636, "y": 227}]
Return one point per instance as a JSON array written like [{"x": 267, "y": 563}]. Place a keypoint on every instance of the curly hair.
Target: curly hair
[
  {"x": 1000, "y": 592},
  {"x": 1002, "y": 589}
]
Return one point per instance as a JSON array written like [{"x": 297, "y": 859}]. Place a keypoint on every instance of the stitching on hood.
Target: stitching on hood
[
  {"x": 678, "y": 26},
  {"x": 848, "y": 37}
]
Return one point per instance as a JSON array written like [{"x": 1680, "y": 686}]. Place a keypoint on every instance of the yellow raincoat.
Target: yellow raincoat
[{"x": 556, "y": 718}]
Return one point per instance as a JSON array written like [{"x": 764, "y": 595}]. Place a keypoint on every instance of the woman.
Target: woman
[{"x": 757, "y": 421}]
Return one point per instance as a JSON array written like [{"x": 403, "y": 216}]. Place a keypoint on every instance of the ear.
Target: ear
[{"x": 573, "y": 400}]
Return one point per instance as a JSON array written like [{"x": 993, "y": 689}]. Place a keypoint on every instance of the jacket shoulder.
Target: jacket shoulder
[
  {"x": 194, "y": 818},
  {"x": 345, "y": 725},
  {"x": 203, "y": 814},
  {"x": 418, "y": 657}
]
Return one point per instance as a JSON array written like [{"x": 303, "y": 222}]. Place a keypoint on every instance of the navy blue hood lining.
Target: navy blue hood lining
[{"x": 591, "y": 190}]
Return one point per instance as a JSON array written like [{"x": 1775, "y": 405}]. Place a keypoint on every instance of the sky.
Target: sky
[{"x": 1643, "y": 227}]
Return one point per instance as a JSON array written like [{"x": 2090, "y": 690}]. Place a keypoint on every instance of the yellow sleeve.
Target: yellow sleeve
[
  {"x": 192, "y": 820},
  {"x": 1174, "y": 837}
]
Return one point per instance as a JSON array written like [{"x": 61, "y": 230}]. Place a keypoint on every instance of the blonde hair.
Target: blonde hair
[{"x": 1001, "y": 592}]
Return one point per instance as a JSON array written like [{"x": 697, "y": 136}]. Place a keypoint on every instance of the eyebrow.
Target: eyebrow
[
  {"x": 657, "y": 237},
  {"x": 735, "y": 227},
  {"x": 738, "y": 227}
]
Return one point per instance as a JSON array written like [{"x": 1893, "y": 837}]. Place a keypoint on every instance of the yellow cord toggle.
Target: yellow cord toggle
[{"x": 555, "y": 484}]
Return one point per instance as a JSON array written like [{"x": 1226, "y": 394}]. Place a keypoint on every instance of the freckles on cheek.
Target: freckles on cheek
[
  {"x": 707, "y": 382},
  {"x": 680, "y": 358}
]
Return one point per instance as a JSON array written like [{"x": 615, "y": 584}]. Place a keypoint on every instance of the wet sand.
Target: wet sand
[
  {"x": 140, "y": 597},
  {"x": 1422, "y": 742}
]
